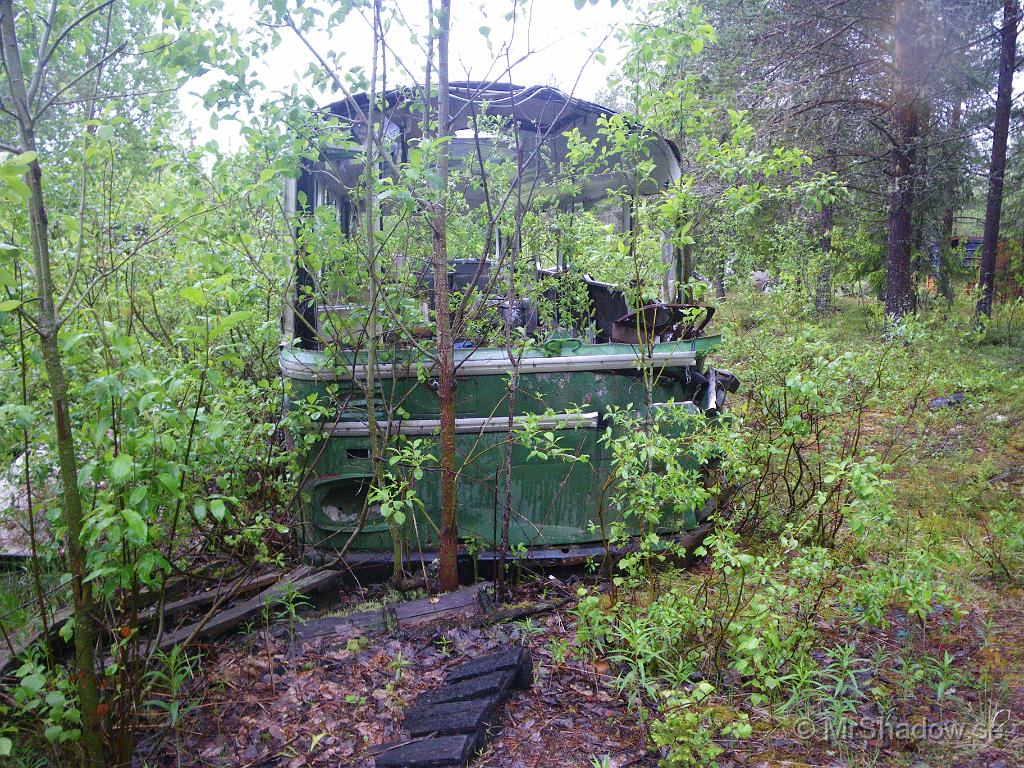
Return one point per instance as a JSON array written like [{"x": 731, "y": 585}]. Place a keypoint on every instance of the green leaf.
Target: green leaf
[
  {"x": 69, "y": 343},
  {"x": 99, "y": 431},
  {"x": 169, "y": 481},
  {"x": 138, "y": 495},
  {"x": 33, "y": 683},
  {"x": 17, "y": 186},
  {"x": 5, "y": 746},
  {"x": 217, "y": 509},
  {"x": 229, "y": 322},
  {"x": 137, "y": 528},
  {"x": 9, "y": 305},
  {"x": 193, "y": 295},
  {"x": 22, "y": 416},
  {"x": 121, "y": 468}
]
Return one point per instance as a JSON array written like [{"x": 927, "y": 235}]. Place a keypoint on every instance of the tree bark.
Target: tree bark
[
  {"x": 449, "y": 539},
  {"x": 943, "y": 276},
  {"x": 997, "y": 168},
  {"x": 47, "y": 325},
  {"x": 720, "y": 280},
  {"x": 372, "y": 269},
  {"x": 684, "y": 279},
  {"x": 899, "y": 298},
  {"x": 823, "y": 293}
]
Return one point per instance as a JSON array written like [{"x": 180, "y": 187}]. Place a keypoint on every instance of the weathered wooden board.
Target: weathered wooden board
[
  {"x": 469, "y": 603},
  {"x": 302, "y": 580},
  {"x": 361, "y": 623},
  {"x": 232, "y": 589},
  {"x": 452, "y": 717},
  {"x": 452, "y": 606},
  {"x": 171, "y": 611},
  {"x": 437, "y": 752},
  {"x": 471, "y": 688},
  {"x": 515, "y": 658}
]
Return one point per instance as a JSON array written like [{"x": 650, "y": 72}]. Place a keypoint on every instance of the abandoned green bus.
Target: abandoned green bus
[{"x": 530, "y": 307}]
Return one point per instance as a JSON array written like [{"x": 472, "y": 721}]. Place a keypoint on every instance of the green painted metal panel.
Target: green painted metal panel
[{"x": 554, "y": 503}]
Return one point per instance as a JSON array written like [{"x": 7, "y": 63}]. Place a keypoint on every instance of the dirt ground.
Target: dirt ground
[{"x": 335, "y": 701}]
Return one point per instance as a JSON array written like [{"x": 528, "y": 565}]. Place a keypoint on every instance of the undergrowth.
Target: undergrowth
[{"x": 863, "y": 523}]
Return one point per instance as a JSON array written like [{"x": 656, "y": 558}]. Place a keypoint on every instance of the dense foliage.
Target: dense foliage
[{"x": 144, "y": 277}]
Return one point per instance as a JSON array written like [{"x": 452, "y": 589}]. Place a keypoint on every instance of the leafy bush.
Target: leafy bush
[
  {"x": 806, "y": 417},
  {"x": 1002, "y": 535}
]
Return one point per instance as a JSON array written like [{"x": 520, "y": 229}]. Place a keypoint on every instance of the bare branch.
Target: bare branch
[
  {"x": 84, "y": 74},
  {"x": 68, "y": 30},
  {"x": 40, "y": 74}
]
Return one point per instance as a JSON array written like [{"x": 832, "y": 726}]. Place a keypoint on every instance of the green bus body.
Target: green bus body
[
  {"x": 555, "y": 504},
  {"x": 571, "y": 384}
]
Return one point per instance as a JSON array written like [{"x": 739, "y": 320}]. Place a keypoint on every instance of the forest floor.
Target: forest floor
[
  {"x": 331, "y": 702},
  {"x": 945, "y": 690}
]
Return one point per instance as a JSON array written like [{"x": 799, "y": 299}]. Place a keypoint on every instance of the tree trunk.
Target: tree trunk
[
  {"x": 684, "y": 279},
  {"x": 823, "y": 294},
  {"x": 899, "y": 299},
  {"x": 48, "y": 326},
  {"x": 945, "y": 284},
  {"x": 997, "y": 168},
  {"x": 449, "y": 540},
  {"x": 369, "y": 206}
]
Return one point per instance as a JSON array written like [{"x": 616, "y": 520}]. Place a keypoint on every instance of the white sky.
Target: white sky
[{"x": 554, "y": 39}]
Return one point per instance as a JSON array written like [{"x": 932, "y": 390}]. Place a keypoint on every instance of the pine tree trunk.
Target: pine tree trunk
[
  {"x": 948, "y": 219},
  {"x": 899, "y": 299},
  {"x": 67, "y": 462},
  {"x": 997, "y": 168},
  {"x": 449, "y": 539}
]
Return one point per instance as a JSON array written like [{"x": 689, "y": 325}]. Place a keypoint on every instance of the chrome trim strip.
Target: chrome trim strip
[
  {"x": 468, "y": 425},
  {"x": 471, "y": 367}
]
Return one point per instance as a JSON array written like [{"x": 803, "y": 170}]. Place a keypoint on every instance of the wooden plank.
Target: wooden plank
[
  {"x": 471, "y": 688},
  {"x": 301, "y": 580},
  {"x": 515, "y": 658},
  {"x": 233, "y": 589},
  {"x": 453, "y": 606},
  {"x": 364, "y": 622},
  {"x": 437, "y": 752},
  {"x": 452, "y": 717},
  {"x": 468, "y": 603},
  {"x": 171, "y": 610}
]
